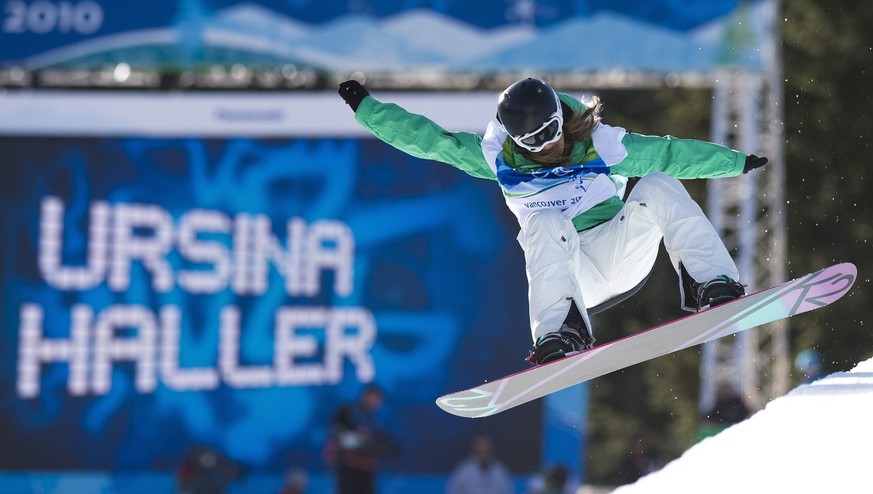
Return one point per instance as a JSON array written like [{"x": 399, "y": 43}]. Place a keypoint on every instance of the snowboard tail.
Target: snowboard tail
[{"x": 787, "y": 299}]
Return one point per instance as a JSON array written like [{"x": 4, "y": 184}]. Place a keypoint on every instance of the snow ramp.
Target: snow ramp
[{"x": 817, "y": 438}]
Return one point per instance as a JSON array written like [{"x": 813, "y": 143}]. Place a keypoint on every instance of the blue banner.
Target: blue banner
[
  {"x": 488, "y": 36},
  {"x": 164, "y": 293}
]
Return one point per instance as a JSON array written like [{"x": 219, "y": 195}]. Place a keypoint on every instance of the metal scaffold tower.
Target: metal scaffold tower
[{"x": 749, "y": 212}]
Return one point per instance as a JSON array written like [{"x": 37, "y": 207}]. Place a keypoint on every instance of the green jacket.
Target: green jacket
[{"x": 611, "y": 152}]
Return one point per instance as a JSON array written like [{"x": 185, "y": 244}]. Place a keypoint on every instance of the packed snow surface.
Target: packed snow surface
[{"x": 815, "y": 439}]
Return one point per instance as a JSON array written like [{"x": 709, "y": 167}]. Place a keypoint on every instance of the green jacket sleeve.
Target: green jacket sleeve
[
  {"x": 420, "y": 137},
  {"x": 680, "y": 158}
]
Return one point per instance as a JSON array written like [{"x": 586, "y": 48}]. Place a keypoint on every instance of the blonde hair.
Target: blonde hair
[{"x": 577, "y": 128}]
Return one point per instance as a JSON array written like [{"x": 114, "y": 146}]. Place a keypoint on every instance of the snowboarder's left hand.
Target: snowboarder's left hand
[{"x": 753, "y": 162}]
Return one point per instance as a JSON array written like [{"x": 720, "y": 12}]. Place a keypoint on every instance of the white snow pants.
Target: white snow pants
[{"x": 598, "y": 264}]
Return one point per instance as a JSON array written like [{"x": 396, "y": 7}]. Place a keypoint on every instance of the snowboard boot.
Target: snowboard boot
[
  {"x": 573, "y": 336},
  {"x": 718, "y": 291}
]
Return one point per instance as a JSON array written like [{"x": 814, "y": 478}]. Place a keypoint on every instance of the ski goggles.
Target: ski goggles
[{"x": 548, "y": 133}]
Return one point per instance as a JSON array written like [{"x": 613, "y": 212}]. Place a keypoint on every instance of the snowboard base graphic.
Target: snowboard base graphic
[{"x": 803, "y": 294}]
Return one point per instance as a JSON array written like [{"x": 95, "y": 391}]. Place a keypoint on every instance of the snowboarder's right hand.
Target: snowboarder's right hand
[{"x": 353, "y": 92}]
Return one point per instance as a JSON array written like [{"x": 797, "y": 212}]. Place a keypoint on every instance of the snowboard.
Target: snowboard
[{"x": 803, "y": 294}]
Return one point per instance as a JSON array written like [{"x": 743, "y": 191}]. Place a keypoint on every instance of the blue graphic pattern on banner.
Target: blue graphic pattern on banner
[
  {"x": 385, "y": 34},
  {"x": 164, "y": 293}
]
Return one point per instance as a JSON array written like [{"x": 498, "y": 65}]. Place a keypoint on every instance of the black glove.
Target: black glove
[
  {"x": 353, "y": 92},
  {"x": 753, "y": 162}
]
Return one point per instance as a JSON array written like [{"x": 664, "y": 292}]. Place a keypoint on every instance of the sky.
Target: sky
[{"x": 815, "y": 439}]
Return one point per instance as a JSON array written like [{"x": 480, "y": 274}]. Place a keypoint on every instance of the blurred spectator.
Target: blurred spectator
[
  {"x": 641, "y": 460},
  {"x": 296, "y": 482},
  {"x": 481, "y": 472},
  {"x": 357, "y": 443},
  {"x": 729, "y": 408},
  {"x": 553, "y": 480},
  {"x": 810, "y": 364},
  {"x": 205, "y": 470}
]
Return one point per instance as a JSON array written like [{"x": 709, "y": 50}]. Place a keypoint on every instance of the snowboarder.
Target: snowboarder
[{"x": 563, "y": 173}]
